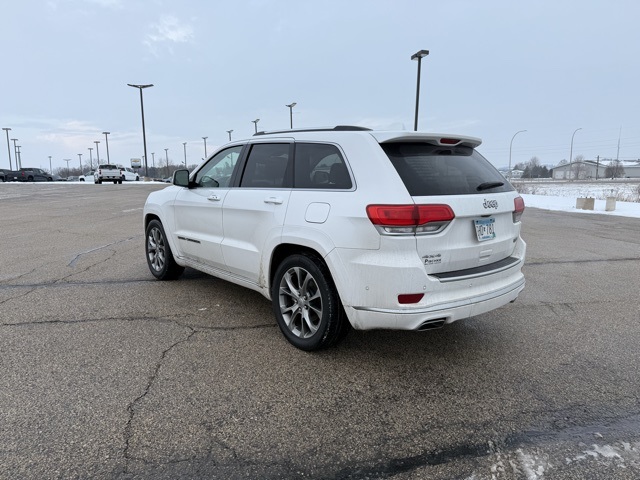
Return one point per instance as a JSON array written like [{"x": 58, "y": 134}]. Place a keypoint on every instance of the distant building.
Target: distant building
[
  {"x": 514, "y": 173},
  {"x": 586, "y": 169}
]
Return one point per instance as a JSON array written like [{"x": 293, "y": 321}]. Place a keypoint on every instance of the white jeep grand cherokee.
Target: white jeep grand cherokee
[{"x": 344, "y": 227}]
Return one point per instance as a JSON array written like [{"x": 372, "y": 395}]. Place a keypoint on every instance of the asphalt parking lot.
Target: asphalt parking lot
[{"x": 107, "y": 373}]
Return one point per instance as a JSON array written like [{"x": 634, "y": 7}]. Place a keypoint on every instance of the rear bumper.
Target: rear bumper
[
  {"x": 414, "y": 319},
  {"x": 369, "y": 283}
]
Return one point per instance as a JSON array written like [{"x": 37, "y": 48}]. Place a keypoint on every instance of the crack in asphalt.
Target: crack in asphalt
[
  {"x": 198, "y": 328},
  {"x": 593, "y": 260},
  {"x": 16, "y": 297},
  {"x": 131, "y": 408},
  {"x": 58, "y": 283},
  {"x": 77, "y": 257}
]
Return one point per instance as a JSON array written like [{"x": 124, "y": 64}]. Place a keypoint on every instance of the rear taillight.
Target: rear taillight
[
  {"x": 518, "y": 204},
  {"x": 410, "y": 219}
]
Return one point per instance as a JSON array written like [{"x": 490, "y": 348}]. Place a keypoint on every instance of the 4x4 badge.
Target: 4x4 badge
[{"x": 490, "y": 203}]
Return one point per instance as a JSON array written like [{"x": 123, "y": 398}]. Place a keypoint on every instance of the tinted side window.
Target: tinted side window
[
  {"x": 267, "y": 166},
  {"x": 320, "y": 165},
  {"x": 218, "y": 170},
  {"x": 435, "y": 170}
]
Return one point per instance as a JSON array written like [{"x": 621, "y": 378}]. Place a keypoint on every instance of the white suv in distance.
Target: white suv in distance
[
  {"x": 129, "y": 174},
  {"x": 346, "y": 227}
]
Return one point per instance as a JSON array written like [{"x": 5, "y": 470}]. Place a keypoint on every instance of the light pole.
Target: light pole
[
  {"x": 293, "y": 104},
  {"x": 255, "y": 123},
  {"x": 166, "y": 154},
  {"x": 229, "y": 132},
  {"x": 144, "y": 136},
  {"x": 15, "y": 151},
  {"x": 184, "y": 144},
  {"x": 97, "y": 151},
  {"x": 67, "y": 160},
  {"x": 6, "y": 129},
  {"x": 106, "y": 140},
  {"x": 153, "y": 161},
  {"x": 50, "y": 168},
  {"x": 19, "y": 157},
  {"x": 418, "y": 56},
  {"x": 80, "y": 158},
  {"x": 571, "y": 151},
  {"x": 90, "y": 158},
  {"x": 511, "y": 145},
  {"x": 205, "y": 146}
]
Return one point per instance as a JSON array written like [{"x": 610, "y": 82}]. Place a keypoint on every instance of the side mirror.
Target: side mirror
[{"x": 181, "y": 178}]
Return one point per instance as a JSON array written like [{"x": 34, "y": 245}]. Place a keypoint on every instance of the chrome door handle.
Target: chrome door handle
[
  {"x": 274, "y": 200},
  {"x": 214, "y": 198}
]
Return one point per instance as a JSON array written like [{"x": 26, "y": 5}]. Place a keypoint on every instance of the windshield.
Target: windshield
[{"x": 429, "y": 169}]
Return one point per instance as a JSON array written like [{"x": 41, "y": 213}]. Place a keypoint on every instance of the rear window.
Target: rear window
[{"x": 435, "y": 170}]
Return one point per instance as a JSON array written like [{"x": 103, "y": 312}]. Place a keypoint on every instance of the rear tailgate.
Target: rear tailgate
[
  {"x": 449, "y": 171},
  {"x": 482, "y": 232}
]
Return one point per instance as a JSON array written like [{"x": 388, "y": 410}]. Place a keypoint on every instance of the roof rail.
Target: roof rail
[{"x": 337, "y": 128}]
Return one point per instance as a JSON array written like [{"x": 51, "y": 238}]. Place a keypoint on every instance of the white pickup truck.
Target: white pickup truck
[{"x": 107, "y": 173}]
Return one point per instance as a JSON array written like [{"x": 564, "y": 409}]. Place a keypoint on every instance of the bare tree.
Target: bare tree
[
  {"x": 578, "y": 167},
  {"x": 614, "y": 169}
]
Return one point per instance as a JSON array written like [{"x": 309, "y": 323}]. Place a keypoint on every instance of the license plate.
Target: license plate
[{"x": 485, "y": 229}]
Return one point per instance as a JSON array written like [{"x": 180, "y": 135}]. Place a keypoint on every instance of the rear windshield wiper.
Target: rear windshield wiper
[{"x": 488, "y": 185}]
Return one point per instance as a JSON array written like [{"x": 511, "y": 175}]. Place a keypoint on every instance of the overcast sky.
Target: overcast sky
[{"x": 495, "y": 67}]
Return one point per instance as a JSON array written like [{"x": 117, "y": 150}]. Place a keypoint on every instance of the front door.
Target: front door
[{"x": 198, "y": 210}]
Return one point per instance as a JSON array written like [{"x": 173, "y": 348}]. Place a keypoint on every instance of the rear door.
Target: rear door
[
  {"x": 254, "y": 212},
  {"x": 483, "y": 230}
]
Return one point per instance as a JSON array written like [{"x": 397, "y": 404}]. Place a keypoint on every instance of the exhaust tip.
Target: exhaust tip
[{"x": 431, "y": 324}]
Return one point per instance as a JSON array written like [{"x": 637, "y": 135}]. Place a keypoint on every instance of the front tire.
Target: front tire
[
  {"x": 158, "y": 252},
  {"x": 306, "y": 303}
]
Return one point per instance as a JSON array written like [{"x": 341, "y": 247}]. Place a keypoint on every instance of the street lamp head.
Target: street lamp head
[
  {"x": 292, "y": 105},
  {"x": 106, "y": 133},
  {"x": 204, "y": 138},
  {"x": 256, "y": 120},
  {"x": 229, "y": 131},
  {"x": 140, "y": 86},
  {"x": 6, "y": 128},
  {"x": 420, "y": 54},
  {"x": 96, "y": 141},
  {"x": 184, "y": 143}
]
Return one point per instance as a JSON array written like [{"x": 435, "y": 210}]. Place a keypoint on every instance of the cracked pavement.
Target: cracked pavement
[{"x": 107, "y": 373}]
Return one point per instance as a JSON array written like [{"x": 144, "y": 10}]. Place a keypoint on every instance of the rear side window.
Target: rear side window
[
  {"x": 435, "y": 170},
  {"x": 320, "y": 166},
  {"x": 267, "y": 166}
]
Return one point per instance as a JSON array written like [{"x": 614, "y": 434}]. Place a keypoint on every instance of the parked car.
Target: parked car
[
  {"x": 346, "y": 227},
  {"x": 129, "y": 174},
  {"x": 72, "y": 178},
  {"x": 87, "y": 177},
  {"x": 5, "y": 175},
  {"x": 32, "y": 175},
  {"x": 107, "y": 173}
]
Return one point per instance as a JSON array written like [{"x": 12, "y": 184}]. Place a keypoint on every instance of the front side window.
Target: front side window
[
  {"x": 218, "y": 170},
  {"x": 321, "y": 166},
  {"x": 267, "y": 166},
  {"x": 429, "y": 169}
]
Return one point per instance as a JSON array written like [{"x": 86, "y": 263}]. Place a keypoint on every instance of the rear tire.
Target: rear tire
[
  {"x": 160, "y": 259},
  {"x": 306, "y": 303}
]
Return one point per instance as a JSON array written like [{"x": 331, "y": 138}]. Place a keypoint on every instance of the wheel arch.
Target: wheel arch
[{"x": 285, "y": 250}]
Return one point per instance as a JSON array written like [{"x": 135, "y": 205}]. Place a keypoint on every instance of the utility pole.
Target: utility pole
[
  {"x": 6, "y": 129},
  {"x": 597, "y": 166}
]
